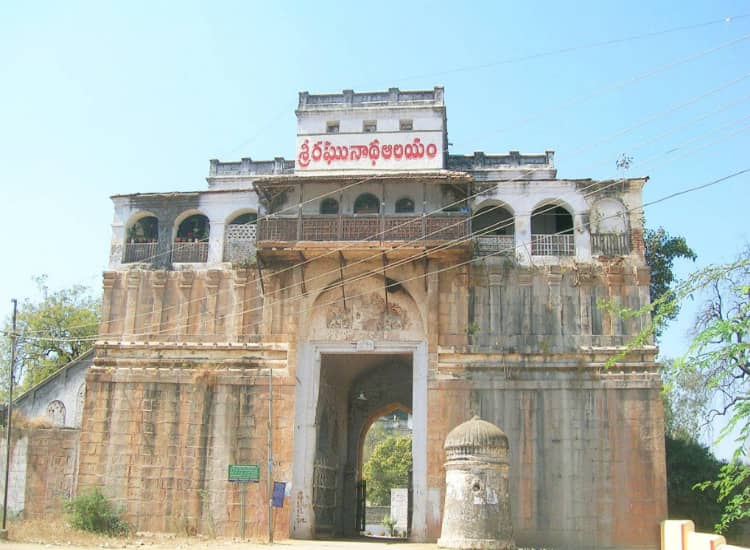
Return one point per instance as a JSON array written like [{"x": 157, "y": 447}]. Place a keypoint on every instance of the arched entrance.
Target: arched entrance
[
  {"x": 385, "y": 470},
  {"x": 360, "y": 358}
]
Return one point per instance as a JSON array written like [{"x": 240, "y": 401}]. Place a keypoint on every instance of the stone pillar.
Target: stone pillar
[
  {"x": 158, "y": 283},
  {"x": 131, "y": 303},
  {"x": 238, "y": 312},
  {"x": 109, "y": 281},
  {"x": 476, "y": 514}
]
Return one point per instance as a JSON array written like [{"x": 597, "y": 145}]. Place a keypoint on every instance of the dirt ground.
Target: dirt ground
[{"x": 37, "y": 535}]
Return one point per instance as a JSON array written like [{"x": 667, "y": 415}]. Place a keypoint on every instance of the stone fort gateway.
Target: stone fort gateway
[{"x": 294, "y": 302}]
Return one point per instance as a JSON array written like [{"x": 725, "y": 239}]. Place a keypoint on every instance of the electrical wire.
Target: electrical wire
[{"x": 406, "y": 260}]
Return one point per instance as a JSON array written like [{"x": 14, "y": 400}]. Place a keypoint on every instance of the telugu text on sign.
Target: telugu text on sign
[{"x": 327, "y": 152}]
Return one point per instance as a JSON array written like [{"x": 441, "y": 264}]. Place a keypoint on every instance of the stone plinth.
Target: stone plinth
[{"x": 477, "y": 505}]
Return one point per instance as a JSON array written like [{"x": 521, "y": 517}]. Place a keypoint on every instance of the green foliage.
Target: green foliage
[
  {"x": 661, "y": 251},
  {"x": 94, "y": 513},
  {"x": 717, "y": 365},
  {"x": 390, "y": 524},
  {"x": 689, "y": 463},
  {"x": 388, "y": 468},
  {"x": 384, "y": 427},
  {"x": 685, "y": 397},
  {"x": 54, "y": 329},
  {"x": 734, "y": 491}
]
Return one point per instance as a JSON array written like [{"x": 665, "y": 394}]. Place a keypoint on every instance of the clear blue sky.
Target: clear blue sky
[{"x": 101, "y": 98}]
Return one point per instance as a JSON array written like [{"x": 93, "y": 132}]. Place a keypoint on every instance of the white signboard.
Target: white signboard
[{"x": 367, "y": 153}]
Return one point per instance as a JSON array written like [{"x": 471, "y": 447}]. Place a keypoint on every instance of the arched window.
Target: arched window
[
  {"x": 56, "y": 413},
  {"x": 143, "y": 230},
  {"x": 193, "y": 228},
  {"x": 552, "y": 231},
  {"x": 404, "y": 205},
  {"x": 493, "y": 220},
  {"x": 141, "y": 240},
  {"x": 191, "y": 241},
  {"x": 367, "y": 203},
  {"x": 329, "y": 206},
  {"x": 244, "y": 219}
]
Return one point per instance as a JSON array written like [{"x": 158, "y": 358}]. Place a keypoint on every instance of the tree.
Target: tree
[
  {"x": 718, "y": 363},
  {"x": 388, "y": 468},
  {"x": 689, "y": 463},
  {"x": 53, "y": 330},
  {"x": 662, "y": 250}
]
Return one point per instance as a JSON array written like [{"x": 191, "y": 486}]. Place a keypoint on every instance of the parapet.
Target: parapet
[{"x": 394, "y": 97}]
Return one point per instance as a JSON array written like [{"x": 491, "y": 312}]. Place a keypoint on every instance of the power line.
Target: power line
[
  {"x": 571, "y": 49},
  {"x": 403, "y": 245}
]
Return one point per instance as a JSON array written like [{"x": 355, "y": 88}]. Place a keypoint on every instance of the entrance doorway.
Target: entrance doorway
[
  {"x": 340, "y": 392},
  {"x": 354, "y": 390},
  {"x": 386, "y": 463}
]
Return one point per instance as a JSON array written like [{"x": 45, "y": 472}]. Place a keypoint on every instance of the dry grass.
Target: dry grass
[{"x": 57, "y": 531}]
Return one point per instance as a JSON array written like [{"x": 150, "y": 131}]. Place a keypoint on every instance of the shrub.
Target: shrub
[{"x": 94, "y": 513}]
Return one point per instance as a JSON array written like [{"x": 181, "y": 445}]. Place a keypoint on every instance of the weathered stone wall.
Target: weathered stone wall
[
  {"x": 159, "y": 440},
  {"x": 43, "y": 470},
  {"x": 587, "y": 452},
  {"x": 495, "y": 305},
  {"x": 197, "y": 306},
  {"x": 178, "y": 390}
]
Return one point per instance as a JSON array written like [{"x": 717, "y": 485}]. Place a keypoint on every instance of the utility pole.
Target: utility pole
[
  {"x": 8, "y": 416},
  {"x": 270, "y": 455}
]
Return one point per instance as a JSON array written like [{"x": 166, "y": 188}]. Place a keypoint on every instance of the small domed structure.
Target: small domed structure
[
  {"x": 474, "y": 439},
  {"x": 476, "y": 514}
]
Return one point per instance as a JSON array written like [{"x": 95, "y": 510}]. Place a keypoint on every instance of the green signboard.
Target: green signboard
[{"x": 244, "y": 472}]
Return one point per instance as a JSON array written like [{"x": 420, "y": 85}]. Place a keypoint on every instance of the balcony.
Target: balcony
[
  {"x": 610, "y": 244},
  {"x": 365, "y": 227},
  {"x": 494, "y": 245},
  {"x": 190, "y": 252},
  {"x": 552, "y": 245},
  {"x": 139, "y": 252}
]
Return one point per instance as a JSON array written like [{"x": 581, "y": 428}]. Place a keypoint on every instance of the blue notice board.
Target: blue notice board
[{"x": 279, "y": 487}]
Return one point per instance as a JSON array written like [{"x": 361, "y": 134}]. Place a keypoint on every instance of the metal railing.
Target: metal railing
[
  {"x": 139, "y": 252},
  {"x": 364, "y": 227},
  {"x": 496, "y": 244},
  {"x": 610, "y": 244},
  {"x": 552, "y": 245},
  {"x": 195, "y": 252}
]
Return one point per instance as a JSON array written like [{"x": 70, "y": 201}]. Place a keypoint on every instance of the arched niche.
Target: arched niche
[
  {"x": 56, "y": 413},
  {"x": 367, "y": 203},
  {"x": 610, "y": 228},
  {"x": 609, "y": 216},
  {"x": 362, "y": 312},
  {"x": 329, "y": 206},
  {"x": 404, "y": 205}
]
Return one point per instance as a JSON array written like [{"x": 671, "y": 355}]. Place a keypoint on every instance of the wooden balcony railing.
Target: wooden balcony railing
[
  {"x": 139, "y": 252},
  {"x": 610, "y": 244},
  {"x": 552, "y": 245},
  {"x": 195, "y": 252},
  {"x": 365, "y": 227}
]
